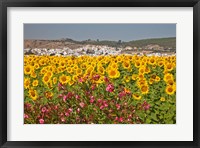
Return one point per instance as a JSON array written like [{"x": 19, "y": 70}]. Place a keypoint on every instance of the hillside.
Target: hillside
[
  {"x": 72, "y": 44},
  {"x": 164, "y": 42}
]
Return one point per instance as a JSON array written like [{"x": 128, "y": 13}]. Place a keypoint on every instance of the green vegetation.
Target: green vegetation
[{"x": 164, "y": 42}]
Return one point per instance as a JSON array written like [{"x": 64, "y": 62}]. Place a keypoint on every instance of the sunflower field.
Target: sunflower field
[{"x": 122, "y": 89}]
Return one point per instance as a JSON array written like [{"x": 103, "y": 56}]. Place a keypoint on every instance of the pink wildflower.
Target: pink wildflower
[
  {"x": 28, "y": 105},
  {"x": 44, "y": 109},
  {"x": 78, "y": 110},
  {"x": 105, "y": 105},
  {"x": 60, "y": 95},
  {"x": 99, "y": 100},
  {"x": 41, "y": 121},
  {"x": 118, "y": 106},
  {"x": 56, "y": 107},
  {"x": 67, "y": 114},
  {"x": 122, "y": 94},
  {"x": 120, "y": 119},
  {"x": 26, "y": 116},
  {"x": 110, "y": 88},
  {"x": 145, "y": 105},
  {"x": 70, "y": 110},
  {"x": 62, "y": 119},
  {"x": 106, "y": 79},
  {"x": 81, "y": 104},
  {"x": 93, "y": 87},
  {"x": 80, "y": 80},
  {"x": 101, "y": 107},
  {"x": 91, "y": 100},
  {"x": 77, "y": 96},
  {"x": 64, "y": 98},
  {"x": 96, "y": 77}
]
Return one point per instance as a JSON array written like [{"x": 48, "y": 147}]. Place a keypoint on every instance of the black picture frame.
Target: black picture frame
[{"x": 4, "y": 4}]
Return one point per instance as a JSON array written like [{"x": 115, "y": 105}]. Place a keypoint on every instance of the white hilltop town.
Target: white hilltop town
[{"x": 95, "y": 50}]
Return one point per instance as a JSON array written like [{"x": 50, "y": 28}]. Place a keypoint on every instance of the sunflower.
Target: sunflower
[
  {"x": 101, "y": 80},
  {"x": 35, "y": 83},
  {"x": 28, "y": 69},
  {"x": 42, "y": 62},
  {"x": 141, "y": 76},
  {"x": 54, "y": 80},
  {"x": 49, "y": 73},
  {"x": 43, "y": 70},
  {"x": 71, "y": 82},
  {"x": 160, "y": 63},
  {"x": 83, "y": 66},
  {"x": 75, "y": 67},
  {"x": 101, "y": 70},
  {"x": 154, "y": 66},
  {"x": 36, "y": 66},
  {"x": 137, "y": 64},
  {"x": 162, "y": 99},
  {"x": 126, "y": 90},
  {"x": 151, "y": 81},
  {"x": 170, "y": 82},
  {"x": 45, "y": 79},
  {"x": 114, "y": 65},
  {"x": 89, "y": 70},
  {"x": 153, "y": 76},
  {"x": 142, "y": 70},
  {"x": 64, "y": 79},
  {"x": 136, "y": 96},
  {"x": 27, "y": 83},
  {"x": 168, "y": 76},
  {"x": 134, "y": 77},
  {"x": 75, "y": 77},
  {"x": 126, "y": 79},
  {"x": 78, "y": 71},
  {"x": 50, "y": 84},
  {"x": 152, "y": 61},
  {"x": 33, "y": 94},
  {"x": 169, "y": 66},
  {"x": 126, "y": 65},
  {"x": 69, "y": 70},
  {"x": 119, "y": 59},
  {"x": 157, "y": 79},
  {"x": 113, "y": 73},
  {"x": 147, "y": 70},
  {"x": 144, "y": 89},
  {"x": 170, "y": 90},
  {"x": 62, "y": 64},
  {"x": 33, "y": 74},
  {"x": 48, "y": 94}
]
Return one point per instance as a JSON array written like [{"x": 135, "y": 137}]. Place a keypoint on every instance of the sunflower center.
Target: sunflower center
[
  {"x": 152, "y": 60},
  {"x": 33, "y": 94},
  {"x": 170, "y": 89},
  {"x": 144, "y": 88},
  {"x": 112, "y": 73},
  {"x": 169, "y": 66},
  {"x": 28, "y": 69},
  {"x": 168, "y": 77},
  {"x": 46, "y": 78},
  {"x": 64, "y": 79}
]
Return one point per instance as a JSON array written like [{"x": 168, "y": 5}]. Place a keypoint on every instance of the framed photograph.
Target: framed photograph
[{"x": 103, "y": 73}]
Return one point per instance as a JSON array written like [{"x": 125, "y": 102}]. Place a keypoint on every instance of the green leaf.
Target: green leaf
[{"x": 154, "y": 117}]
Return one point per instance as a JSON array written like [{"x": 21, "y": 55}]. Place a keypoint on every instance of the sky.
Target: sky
[{"x": 114, "y": 32}]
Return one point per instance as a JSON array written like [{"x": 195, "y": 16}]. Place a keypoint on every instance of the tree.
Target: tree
[{"x": 119, "y": 42}]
